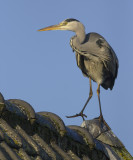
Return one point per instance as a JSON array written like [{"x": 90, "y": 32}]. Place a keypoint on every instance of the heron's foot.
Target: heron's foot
[
  {"x": 102, "y": 121},
  {"x": 77, "y": 115}
]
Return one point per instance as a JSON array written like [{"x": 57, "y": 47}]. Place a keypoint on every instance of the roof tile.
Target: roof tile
[
  {"x": 25, "y": 107},
  {"x": 33, "y": 147},
  {"x": 3, "y": 155},
  {"x": 74, "y": 156},
  {"x": 85, "y": 134},
  {"x": 57, "y": 121},
  {"x": 26, "y": 135},
  {"x": 58, "y": 149},
  {"x": 23, "y": 154},
  {"x": 9, "y": 151},
  {"x": 9, "y": 135},
  {"x": 46, "y": 148}
]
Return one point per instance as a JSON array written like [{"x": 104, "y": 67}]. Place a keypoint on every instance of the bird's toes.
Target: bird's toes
[
  {"x": 81, "y": 114},
  {"x": 103, "y": 122}
]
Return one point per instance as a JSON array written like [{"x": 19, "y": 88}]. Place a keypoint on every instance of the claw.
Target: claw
[
  {"x": 101, "y": 120},
  {"x": 77, "y": 115}
]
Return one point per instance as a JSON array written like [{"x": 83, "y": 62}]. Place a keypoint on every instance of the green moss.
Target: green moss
[{"x": 122, "y": 153}]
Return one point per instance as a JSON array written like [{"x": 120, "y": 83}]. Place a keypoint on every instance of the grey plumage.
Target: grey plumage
[
  {"x": 96, "y": 59},
  {"x": 94, "y": 56}
]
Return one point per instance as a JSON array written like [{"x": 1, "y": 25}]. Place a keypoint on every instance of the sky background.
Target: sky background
[{"x": 40, "y": 67}]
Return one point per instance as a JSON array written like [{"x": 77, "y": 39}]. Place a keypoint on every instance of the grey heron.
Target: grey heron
[{"x": 95, "y": 57}]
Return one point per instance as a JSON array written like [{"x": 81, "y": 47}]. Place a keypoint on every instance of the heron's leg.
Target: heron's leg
[
  {"x": 101, "y": 119},
  {"x": 90, "y": 95},
  {"x": 81, "y": 113},
  {"x": 98, "y": 93}
]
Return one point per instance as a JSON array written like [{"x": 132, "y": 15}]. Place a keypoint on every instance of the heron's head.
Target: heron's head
[{"x": 68, "y": 24}]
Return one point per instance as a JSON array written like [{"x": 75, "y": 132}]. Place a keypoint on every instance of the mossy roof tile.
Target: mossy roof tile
[{"x": 26, "y": 135}]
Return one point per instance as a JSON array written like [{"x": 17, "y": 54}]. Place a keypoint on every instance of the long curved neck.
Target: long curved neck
[
  {"x": 80, "y": 35},
  {"x": 77, "y": 41}
]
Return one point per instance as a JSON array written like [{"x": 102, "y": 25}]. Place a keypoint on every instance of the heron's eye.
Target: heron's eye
[{"x": 64, "y": 23}]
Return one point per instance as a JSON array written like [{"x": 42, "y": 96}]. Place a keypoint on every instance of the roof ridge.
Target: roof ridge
[{"x": 27, "y": 135}]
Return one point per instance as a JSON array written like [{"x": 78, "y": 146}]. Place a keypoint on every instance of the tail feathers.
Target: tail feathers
[{"x": 108, "y": 83}]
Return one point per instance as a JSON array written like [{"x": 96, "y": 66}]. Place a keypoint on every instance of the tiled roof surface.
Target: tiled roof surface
[{"x": 26, "y": 135}]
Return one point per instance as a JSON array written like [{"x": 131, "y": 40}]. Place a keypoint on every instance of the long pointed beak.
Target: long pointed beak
[{"x": 53, "y": 27}]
